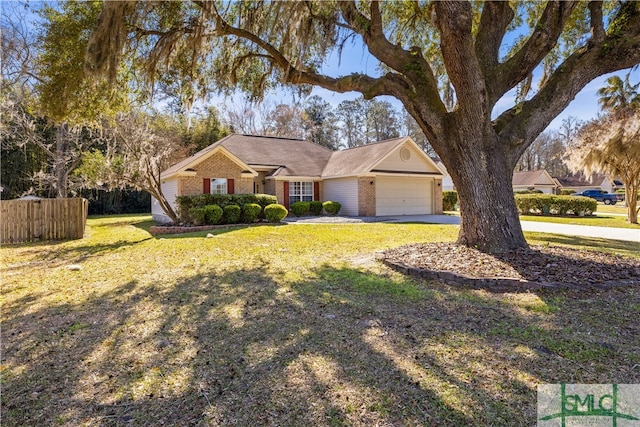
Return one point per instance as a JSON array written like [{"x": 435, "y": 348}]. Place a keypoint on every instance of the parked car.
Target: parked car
[{"x": 601, "y": 196}]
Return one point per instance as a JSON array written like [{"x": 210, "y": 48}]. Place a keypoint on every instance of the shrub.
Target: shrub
[
  {"x": 580, "y": 204},
  {"x": 251, "y": 212},
  {"x": 555, "y": 205},
  {"x": 275, "y": 212},
  {"x": 213, "y": 214},
  {"x": 621, "y": 192},
  {"x": 300, "y": 208},
  {"x": 449, "y": 200},
  {"x": 332, "y": 208},
  {"x": 185, "y": 203},
  {"x": 566, "y": 192},
  {"x": 197, "y": 216},
  {"x": 315, "y": 207},
  {"x": 529, "y": 191},
  {"x": 231, "y": 214}
]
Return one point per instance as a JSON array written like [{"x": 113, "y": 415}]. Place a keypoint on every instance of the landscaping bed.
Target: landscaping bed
[{"x": 533, "y": 268}]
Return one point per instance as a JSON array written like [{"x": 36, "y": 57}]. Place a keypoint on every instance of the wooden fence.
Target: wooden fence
[{"x": 44, "y": 219}]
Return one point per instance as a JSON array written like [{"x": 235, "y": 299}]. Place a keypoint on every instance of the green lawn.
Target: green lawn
[
  {"x": 595, "y": 220},
  {"x": 290, "y": 325},
  {"x": 618, "y": 208}
]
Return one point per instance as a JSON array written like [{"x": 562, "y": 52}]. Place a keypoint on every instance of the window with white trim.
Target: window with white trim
[
  {"x": 218, "y": 185},
  {"x": 300, "y": 192}
]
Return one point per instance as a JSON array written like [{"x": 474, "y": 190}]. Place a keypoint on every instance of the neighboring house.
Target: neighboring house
[
  {"x": 579, "y": 183},
  {"x": 393, "y": 177},
  {"x": 605, "y": 183},
  {"x": 534, "y": 180}
]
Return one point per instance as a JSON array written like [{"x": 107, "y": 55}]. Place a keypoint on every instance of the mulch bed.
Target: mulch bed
[{"x": 524, "y": 269}]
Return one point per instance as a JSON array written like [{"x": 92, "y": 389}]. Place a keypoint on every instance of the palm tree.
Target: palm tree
[{"x": 619, "y": 94}]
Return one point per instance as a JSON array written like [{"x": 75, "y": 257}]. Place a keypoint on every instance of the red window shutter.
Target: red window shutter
[
  {"x": 316, "y": 191},
  {"x": 206, "y": 186},
  {"x": 286, "y": 194},
  {"x": 230, "y": 186}
]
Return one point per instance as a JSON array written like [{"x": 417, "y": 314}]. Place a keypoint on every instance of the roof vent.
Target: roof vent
[{"x": 405, "y": 154}]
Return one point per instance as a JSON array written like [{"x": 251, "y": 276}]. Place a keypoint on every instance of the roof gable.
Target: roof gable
[
  {"x": 367, "y": 158},
  {"x": 532, "y": 178},
  {"x": 291, "y": 157},
  {"x": 201, "y": 156}
]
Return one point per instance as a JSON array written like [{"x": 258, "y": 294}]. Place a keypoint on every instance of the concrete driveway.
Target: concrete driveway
[{"x": 627, "y": 234}]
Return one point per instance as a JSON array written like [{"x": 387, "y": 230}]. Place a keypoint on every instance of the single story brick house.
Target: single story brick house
[
  {"x": 534, "y": 180},
  {"x": 392, "y": 177}
]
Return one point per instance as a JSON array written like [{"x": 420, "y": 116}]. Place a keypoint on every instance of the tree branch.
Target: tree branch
[
  {"x": 544, "y": 38},
  {"x": 454, "y": 21},
  {"x": 612, "y": 54},
  {"x": 495, "y": 18},
  {"x": 597, "y": 25},
  {"x": 406, "y": 62}
]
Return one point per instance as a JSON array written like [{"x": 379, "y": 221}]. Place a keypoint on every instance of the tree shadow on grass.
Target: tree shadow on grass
[
  {"x": 345, "y": 346},
  {"x": 53, "y": 255},
  {"x": 594, "y": 243},
  {"x": 221, "y": 229}
]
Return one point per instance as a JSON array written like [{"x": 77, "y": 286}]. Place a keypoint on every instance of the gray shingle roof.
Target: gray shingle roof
[
  {"x": 529, "y": 178},
  {"x": 295, "y": 157},
  {"x": 359, "y": 159}
]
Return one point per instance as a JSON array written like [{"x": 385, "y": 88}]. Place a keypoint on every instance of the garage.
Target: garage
[{"x": 403, "y": 195}]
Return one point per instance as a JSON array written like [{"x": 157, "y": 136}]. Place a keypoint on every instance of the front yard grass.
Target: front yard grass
[
  {"x": 288, "y": 325},
  {"x": 595, "y": 220}
]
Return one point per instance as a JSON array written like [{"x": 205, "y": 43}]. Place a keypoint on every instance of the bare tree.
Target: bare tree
[
  {"x": 352, "y": 115},
  {"x": 137, "y": 151}
]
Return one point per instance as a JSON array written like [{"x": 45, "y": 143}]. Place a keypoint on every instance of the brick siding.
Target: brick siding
[
  {"x": 366, "y": 196},
  {"x": 216, "y": 166},
  {"x": 437, "y": 194}
]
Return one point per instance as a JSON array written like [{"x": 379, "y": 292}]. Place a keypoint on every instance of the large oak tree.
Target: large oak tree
[{"x": 466, "y": 55}]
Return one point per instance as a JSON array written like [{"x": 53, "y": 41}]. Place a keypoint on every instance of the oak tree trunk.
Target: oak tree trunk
[{"x": 481, "y": 168}]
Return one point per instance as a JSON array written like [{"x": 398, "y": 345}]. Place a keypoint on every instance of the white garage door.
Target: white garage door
[{"x": 403, "y": 195}]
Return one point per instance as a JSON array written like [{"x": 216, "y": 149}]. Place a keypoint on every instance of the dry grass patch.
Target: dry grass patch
[{"x": 285, "y": 325}]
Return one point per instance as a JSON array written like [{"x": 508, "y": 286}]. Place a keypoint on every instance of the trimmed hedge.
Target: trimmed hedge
[
  {"x": 554, "y": 205},
  {"x": 534, "y": 191},
  {"x": 186, "y": 203},
  {"x": 213, "y": 214},
  {"x": 449, "y": 200},
  {"x": 332, "y": 208},
  {"x": 251, "y": 212},
  {"x": 208, "y": 215},
  {"x": 197, "y": 216},
  {"x": 315, "y": 207},
  {"x": 300, "y": 208},
  {"x": 566, "y": 192},
  {"x": 231, "y": 214},
  {"x": 622, "y": 192},
  {"x": 275, "y": 212}
]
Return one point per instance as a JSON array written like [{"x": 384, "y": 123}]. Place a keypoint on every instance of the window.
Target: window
[
  {"x": 218, "y": 186},
  {"x": 300, "y": 192}
]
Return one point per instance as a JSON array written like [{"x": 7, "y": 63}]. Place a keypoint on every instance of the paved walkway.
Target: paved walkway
[{"x": 626, "y": 234}]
